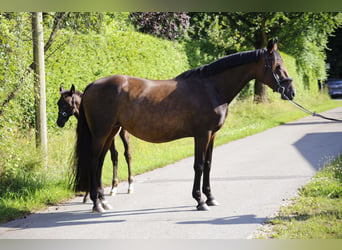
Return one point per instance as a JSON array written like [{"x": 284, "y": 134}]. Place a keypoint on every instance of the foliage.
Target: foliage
[
  {"x": 168, "y": 25},
  {"x": 307, "y": 41},
  {"x": 15, "y": 56},
  {"x": 209, "y": 26},
  {"x": 301, "y": 35}
]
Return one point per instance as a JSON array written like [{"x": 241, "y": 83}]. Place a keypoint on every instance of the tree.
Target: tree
[
  {"x": 256, "y": 29},
  {"x": 39, "y": 84},
  {"x": 235, "y": 32},
  {"x": 302, "y": 35},
  {"x": 168, "y": 25},
  {"x": 307, "y": 40}
]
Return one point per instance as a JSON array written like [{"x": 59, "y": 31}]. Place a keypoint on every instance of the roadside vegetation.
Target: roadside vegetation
[
  {"x": 89, "y": 46},
  {"x": 317, "y": 211}
]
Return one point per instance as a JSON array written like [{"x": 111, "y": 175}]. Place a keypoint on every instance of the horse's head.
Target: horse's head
[
  {"x": 275, "y": 74},
  {"x": 67, "y": 105}
]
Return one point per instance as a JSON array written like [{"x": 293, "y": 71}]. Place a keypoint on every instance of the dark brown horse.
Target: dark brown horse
[
  {"x": 194, "y": 104},
  {"x": 68, "y": 105}
]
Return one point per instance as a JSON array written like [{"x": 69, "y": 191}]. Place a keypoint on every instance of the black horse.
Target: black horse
[
  {"x": 68, "y": 105},
  {"x": 194, "y": 104}
]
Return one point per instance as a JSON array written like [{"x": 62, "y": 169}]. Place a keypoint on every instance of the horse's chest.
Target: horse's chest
[
  {"x": 215, "y": 119},
  {"x": 220, "y": 115}
]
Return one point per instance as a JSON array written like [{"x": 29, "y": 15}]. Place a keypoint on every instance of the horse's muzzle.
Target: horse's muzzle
[
  {"x": 60, "y": 122},
  {"x": 288, "y": 90},
  {"x": 288, "y": 95}
]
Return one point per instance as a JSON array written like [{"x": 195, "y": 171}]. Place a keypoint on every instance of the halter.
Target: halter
[
  {"x": 278, "y": 88},
  {"x": 70, "y": 111}
]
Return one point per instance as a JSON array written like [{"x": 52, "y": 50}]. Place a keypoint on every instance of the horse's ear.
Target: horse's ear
[
  {"x": 272, "y": 45},
  {"x": 72, "y": 90},
  {"x": 61, "y": 88}
]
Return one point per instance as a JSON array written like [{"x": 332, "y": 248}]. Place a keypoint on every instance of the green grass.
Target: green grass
[
  {"x": 316, "y": 213},
  {"x": 26, "y": 187}
]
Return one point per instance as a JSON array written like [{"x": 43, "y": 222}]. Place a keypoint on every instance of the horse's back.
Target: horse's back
[{"x": 155, "y": 111}]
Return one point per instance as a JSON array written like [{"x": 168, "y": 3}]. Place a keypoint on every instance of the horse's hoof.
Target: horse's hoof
[
  {"x": 130, "y": 189},
  {"x": 114, "y": 191},
  {"x": 98, "y": 209},
  {"x": 106, "y": 205},
  {"x": 203, "y": 207},
  {"x": 85, "y": 199},
  {"x": 212, "y": 203}
]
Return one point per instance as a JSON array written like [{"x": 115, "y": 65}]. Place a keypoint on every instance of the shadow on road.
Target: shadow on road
[
  {"x": 60, "y": 219},
  {"x": 318, "y": 148},
  {"x": 85, "y": 217},
  {"x": 239, "y": 219}
]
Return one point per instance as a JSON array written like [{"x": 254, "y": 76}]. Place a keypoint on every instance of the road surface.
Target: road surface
[{"x": 251, "y": 178}]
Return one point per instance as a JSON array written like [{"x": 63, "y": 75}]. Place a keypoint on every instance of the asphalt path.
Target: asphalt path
[{"x": 251, "y": 178}]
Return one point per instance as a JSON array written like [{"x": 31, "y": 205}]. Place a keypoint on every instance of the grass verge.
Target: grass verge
[
  {"x": 317, "y": 211},
  {"x": 26, "y": 187}
]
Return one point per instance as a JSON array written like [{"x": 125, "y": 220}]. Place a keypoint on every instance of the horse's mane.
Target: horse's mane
[{"x": 224, "y": 63}]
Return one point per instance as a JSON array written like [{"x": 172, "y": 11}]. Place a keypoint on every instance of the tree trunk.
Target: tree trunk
[
  {"x": 260, "y": 94},
  {"x": 39, "y": 84}
]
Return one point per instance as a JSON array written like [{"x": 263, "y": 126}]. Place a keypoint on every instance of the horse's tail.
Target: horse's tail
[{"x": 82, "y": 154}]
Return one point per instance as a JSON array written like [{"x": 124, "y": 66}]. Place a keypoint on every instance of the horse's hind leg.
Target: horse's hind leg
[
  {"x": 206, "y": 174},
  {"x": 114, "y": 156},
  {"x": 99, "y": 150},
  {"x": 85, "y": 197},
  {"x": 124, "y": 135},
  {"x": 100, "y": 189}
]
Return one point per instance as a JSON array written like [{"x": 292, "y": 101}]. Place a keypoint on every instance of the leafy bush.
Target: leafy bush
[
  {"x": 89, "y": 57},
  {"x": 169, "y": 25}
]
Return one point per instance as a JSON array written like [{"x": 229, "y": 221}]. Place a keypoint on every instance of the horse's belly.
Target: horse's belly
[{"x": 156, "y": 128}]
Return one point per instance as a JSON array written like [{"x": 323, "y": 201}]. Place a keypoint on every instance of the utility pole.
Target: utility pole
[{"x": 39, "y": 84}]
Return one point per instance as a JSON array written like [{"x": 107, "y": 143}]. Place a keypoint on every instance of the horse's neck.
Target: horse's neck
[
  {"x": 230, "y": 82},
  {"x": 78, "y": 98}
]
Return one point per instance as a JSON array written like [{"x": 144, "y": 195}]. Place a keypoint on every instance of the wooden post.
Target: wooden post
[{"x": 39, "y": 84}]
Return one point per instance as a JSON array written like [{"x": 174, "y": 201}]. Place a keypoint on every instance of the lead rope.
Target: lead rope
[{"x": 309, "y": 112}]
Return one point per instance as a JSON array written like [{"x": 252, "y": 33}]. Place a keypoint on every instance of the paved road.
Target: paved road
[{"x": 251, "y": 178}]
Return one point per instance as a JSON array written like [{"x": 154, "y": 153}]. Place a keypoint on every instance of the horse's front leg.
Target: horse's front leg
[
  {"x": 206, "y": 174},
  {"x": 201, "y": 145}
]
